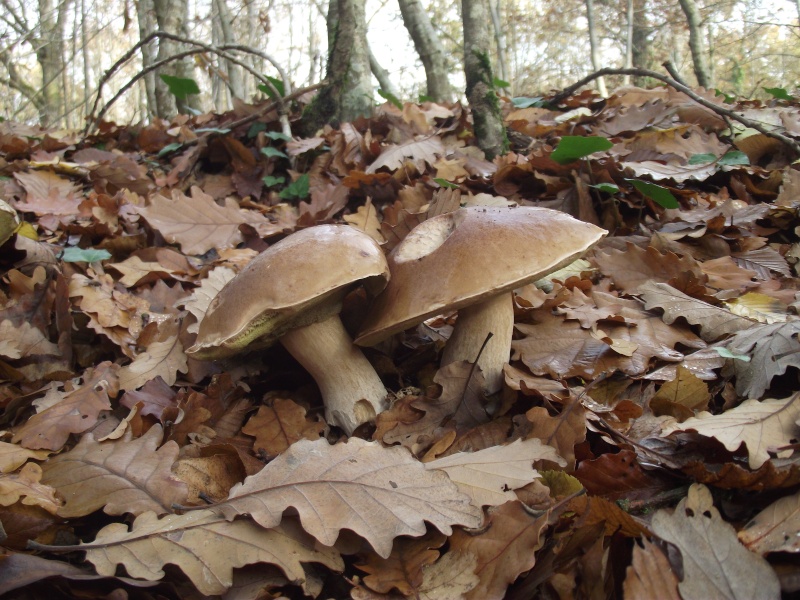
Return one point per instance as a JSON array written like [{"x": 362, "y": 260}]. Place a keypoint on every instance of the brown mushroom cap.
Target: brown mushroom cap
[
  {"x": 464, "y": 257},
  {"x": 295, "y": 282}
]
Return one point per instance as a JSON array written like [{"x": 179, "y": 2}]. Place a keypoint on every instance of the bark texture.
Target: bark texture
[
  {"x": 50, "y": 55},
  {"x": 171, "y": 17},
  {"x": 429, "y": 48},
  {"x": 593, "y": 47},
  {"x": 483, "y": 100},
  {"x": 348, "y": 93},
  {"x": 697, "y": 44}
]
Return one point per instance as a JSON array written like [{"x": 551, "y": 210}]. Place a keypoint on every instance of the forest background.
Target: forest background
[{"x": 54, "y": 54}]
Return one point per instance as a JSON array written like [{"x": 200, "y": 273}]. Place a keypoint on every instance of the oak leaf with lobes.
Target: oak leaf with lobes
[{"x": 379, "y": 493}]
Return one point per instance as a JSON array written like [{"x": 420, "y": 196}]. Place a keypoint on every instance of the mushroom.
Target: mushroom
[
  {"x": 292, "y": 293},
  {"x": 470, "y": 260}
]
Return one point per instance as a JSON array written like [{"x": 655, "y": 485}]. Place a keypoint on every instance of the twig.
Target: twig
[{"x": 725, "y": 112}]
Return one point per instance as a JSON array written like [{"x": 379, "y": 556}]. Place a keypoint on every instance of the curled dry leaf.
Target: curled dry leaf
[
  {"x": 26, "y": 486},
  {"x": 773, "y": 348},
  {"x": 402, "y": 569},
  {"x": 204, "y": 546},
  {"x": 715, "y": 564},
  {"x": 649, "y": 575},
  {"x": 419, "y": 152},
  {"x": 377, "y": 492},
  {"x": 164, "y": 358},
  {"x": 760, "y": 425},
  {"x": 776, "y": 528},
  {"x": 489, "y": 476},
  {"x": 13, "y": 457},
  {"x": 124, "y": 476}
]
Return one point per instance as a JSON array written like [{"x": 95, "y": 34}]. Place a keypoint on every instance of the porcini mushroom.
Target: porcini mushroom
[
  {"x": 470, "y": 260},
  {"x": 292, "y": 293}
]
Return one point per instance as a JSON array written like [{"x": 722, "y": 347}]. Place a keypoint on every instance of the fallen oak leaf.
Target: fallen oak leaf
[
  {"x": 280, "y": 425},
  {"x": 402, "y": 569},
  {"x": 12, "y": 456},
  {"x": 489, "y": 476},
  {"x": 125, "y": 476},
  {"x": 203, "y": 545},
  {"x": 759, "y": 425},
  {"x": 772, "y": 349},
  {"x": 377, "y": 492},
  {"x": 715, "y": 564},
  {"x": 26, "y": 486},
  {"x": 164, "y": 357}
]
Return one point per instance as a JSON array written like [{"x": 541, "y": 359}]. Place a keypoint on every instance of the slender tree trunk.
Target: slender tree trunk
[
  {"x": 628, "y": 41},
  {"x": 642, "y": 54},
  {"x": 50, "y": 55},
  {"x": 234, "y": 72},
  {"x": 348, "y": 92},
  {"x": 87, "y": 73},
  {"x": 171, "y": 16},
  {"x": 696, "y": 42},
  {"x": 381, "y": 74},
  {"x": 429, "y": 48},
  {"x": 601, "y": 81},
  {"x": 145, "y": 17},
  {"x": 487, "y": 120},
  {"x": 500, "y": 39}
]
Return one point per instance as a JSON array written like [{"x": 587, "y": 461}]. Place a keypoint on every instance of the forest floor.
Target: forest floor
[{"x": 644, "y": 441}]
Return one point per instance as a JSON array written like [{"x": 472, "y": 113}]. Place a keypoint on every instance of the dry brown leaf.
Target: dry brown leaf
[
  {"x": 77, "y": 411},
  {"x": 280, "y": 425},
  {"x": 681, "y": 397},
  {"x": 24, "y": 340},
  {"x": 714, "y": 322},
  {"x": 776, "y": 528},
  {"x": 26, "y": 486},
  {"x": 620, "y": 477},
  {"x": 772, "y": 348},
  {"x": 201, "y": 297},
  {"x": 635, "y": 266},
  {"x": 379, "y": 493},
  {"x": 204, "y": 546},
  {"x": 135, "y": 271},
  {"x": 489, "y": 476},
  {"x": 12, "y": 457},
  {"x": 760, "y": 425},
  {"x": 649, "y": 575},
  {"x": 366, "y": 219},
  {"x": 419, "y": 152},
  {"x": 592, "y": 509},
  {"x": 402, "y": 569},
  {"x": 210, "y": 477},
  {"x": 715, "y": 564},
  {"x": 504, "y": 549},
  {"x": 452, "y": 577},
  {"x": 164, "y": 357},
  {"x": 562, "y": 432},
  {"x": 124, "y": 476},
  {"x": 198, "y": 223}
]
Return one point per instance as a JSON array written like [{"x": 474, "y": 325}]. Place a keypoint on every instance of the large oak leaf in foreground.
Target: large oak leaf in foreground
[{"x": 377, "y": 492}]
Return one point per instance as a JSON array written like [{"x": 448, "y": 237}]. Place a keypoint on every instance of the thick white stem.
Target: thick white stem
[
  {"x": 351, "y": 389},
  {"x": 495, "y": 315}
]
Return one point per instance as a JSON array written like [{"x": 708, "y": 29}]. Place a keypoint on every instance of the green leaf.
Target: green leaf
[
  {"x": 389, "y": 96},
  {"x": 733, "y": 158},
  {"x": 180, "y": 87},
  {"x": 659, "y": 195},
  {"x": 523, "y": 102},
  {"x": 74, "y": 254},
  {"x": 573, "y": 147},
  {"x": 297, "y": 189},
  {"x": 499, "y": 83},
  {"x": 423, "y": 98},
  {"x": 725, "y": 353},
  {"x": 272, "y": 152},
  {"x": 277, "y": 83},
  {"x": 278, "y": 135},
  {"x": 169, "y": 148},
  {"x": 726, "y": 97},
  {"x": 255, "y": 129},
  {"x": 445, "y": 183},
  {"x": 779, "y": 93},
  {"x": 608, "y": 188},
  {"x": 701, "y": 159},
  {"x": 271, "y": 180}
]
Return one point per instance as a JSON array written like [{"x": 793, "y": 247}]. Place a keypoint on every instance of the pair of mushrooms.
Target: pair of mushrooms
[{"x": 468, "y": 260}]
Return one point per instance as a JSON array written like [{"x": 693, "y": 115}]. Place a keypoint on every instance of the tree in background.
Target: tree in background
[
  {"x": 483, "y": 100},
  {"x": 429, "y": 48},
  {"x": 347, "y": 94},
  {"x": 697, "y": 44}
]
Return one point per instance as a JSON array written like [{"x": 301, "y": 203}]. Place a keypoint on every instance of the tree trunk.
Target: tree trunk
[
  {"x": 642, "y": 53},
  {"x": 348, "y": 92},
  {"x": 50, "y": 55},
  {"x": 696, "y": 43},
  {"x": 487, "y": 120},
  {"x": 145, "y": 16},
  {"x": 601, "y": 81},
  {"x": 429, "y": 48},
  {"x": 500, "y": 39},
  {"x": 171, "y": 18},
  {"x": 234, "y": 72},
  {"x": 381, "y": 74},
  {"x": 628, "y": 41}
]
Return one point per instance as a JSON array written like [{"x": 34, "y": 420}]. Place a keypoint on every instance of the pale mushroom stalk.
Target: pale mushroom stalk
[
  {"x": 352, "y": 391},
  {"x": 495, "y": 316}
]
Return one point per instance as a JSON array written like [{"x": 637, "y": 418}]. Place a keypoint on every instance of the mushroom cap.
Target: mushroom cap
[
  {"x": 460, "y": 258},
  {"x": 295, "y": 282}
]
